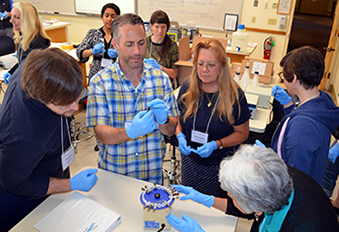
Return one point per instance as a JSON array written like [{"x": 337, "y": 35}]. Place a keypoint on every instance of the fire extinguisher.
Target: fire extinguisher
[{"x": 268, "y": 44}]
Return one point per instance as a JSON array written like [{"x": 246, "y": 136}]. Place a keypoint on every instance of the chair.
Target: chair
[
  {"x": 172, "y": 175},
  {"x": 7, "y": 45}
]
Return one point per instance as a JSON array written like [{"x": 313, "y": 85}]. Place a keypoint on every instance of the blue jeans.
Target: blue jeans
[{"x": 330, "y": 176}]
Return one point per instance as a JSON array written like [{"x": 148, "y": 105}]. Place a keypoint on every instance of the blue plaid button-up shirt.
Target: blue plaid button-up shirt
[{"x": 114, "y": 101}]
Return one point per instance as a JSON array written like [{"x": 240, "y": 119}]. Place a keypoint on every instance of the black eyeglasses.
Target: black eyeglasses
[{"x": 281, "y": 76}]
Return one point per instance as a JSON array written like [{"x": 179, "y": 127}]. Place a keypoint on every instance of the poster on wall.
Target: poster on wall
[{"x": 284, "y": 7}]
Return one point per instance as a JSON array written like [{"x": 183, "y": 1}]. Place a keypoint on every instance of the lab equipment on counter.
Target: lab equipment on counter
[{"x": 157, "y": 201}]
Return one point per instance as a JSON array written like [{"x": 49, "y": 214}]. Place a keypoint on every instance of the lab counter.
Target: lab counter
[{"x": 121, "y": 194}]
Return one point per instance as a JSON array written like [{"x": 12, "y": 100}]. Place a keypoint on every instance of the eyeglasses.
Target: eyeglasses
[
  {"x": 281, "y": 76},
  {"x": 209, "y": 66}
]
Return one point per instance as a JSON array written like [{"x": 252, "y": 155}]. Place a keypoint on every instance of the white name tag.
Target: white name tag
[
  {"x": 67, "y": 157},
  {"x": 199, "y": 137},
  {"x": 106, "y": 62}
]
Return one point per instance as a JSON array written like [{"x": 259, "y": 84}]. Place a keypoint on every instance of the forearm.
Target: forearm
[
  {"x": 178, "y": 128},
  {"x": 169, "y": 128},
  {"x": 110, "y": 135},
  {"x": 220, "y": 204},
  {"x": 86, "y": 53},
  {"x": 172, "y": 73},
  {"x": 58, "y": 186},
  {"x": 237, "y": 137}
]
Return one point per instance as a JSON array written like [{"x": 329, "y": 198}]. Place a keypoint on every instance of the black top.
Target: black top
[
  {"x": 217, "y": 130},
  {"x": 310, "y": 211},
  {"x": 5, "y": 5},
  {"x": 30, "y": 143}
]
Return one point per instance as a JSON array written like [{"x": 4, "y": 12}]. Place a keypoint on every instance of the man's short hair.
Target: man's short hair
[
  {"x": 51, "y": 75},
  {"x": 131, "y": 19}
]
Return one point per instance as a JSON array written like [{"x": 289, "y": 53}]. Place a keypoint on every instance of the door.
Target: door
[
  {"x": 330, "y": 50},
  {"x": 316, "y": 7}
]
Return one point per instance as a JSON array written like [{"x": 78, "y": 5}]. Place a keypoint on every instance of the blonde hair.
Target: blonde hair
[
  {"x": 228, "y": 88},
  {"x": 30, "y": 25}
]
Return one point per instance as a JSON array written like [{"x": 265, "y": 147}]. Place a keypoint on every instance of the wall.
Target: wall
[{"x": 80, "y": 26}]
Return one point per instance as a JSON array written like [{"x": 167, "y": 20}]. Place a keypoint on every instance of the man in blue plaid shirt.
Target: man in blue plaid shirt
[{"x": 130, "y": 105}]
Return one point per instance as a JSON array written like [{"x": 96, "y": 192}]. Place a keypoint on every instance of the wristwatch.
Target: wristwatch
[{"x": 221, "y": 144}]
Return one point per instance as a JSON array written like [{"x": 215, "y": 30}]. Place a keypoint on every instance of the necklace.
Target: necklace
[
  {"x": 308, "y": 99},
  {"x": 209, "y": 100}
]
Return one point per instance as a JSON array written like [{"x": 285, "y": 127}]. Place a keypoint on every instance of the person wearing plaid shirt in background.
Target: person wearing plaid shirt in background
[{"x": 130, "y": 136}]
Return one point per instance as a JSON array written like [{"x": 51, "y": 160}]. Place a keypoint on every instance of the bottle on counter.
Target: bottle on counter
[
  {"x": 240, "y": 39},
  {"x": 255, "y": 80},
  {"x": 245, "y": 79},
  {"x": 237, "y": 76}
]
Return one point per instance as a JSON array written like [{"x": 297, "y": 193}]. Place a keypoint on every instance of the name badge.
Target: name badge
[
  {"x": 67, "y": 157},
  {"x": 199, "y": 137},
  {"x": 106, "y": 62}
]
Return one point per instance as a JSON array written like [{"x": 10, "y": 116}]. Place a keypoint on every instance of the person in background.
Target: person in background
[
  {"x": 97, "y": 42},
  {"x": 303, "y": 136},
  {"x": 29, "y": 33},
  {"x": 262, "y": 188},
  {"x": 6, "y": 28},
  {"x": 35, "y": 143},
  {"x": 130, "y": 137},
  {"x": 160, "y": 46},
  {"x": 214, "y": 118}
]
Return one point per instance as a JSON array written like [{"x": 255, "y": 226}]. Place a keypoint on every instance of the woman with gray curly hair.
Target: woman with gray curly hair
[{"x": 261, "y": 186}]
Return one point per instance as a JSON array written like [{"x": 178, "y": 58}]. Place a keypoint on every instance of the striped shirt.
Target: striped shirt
[{"x": 114, "y": 101}]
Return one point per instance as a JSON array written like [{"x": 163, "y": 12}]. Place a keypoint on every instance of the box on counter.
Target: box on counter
[{"x": 264, "y": 67}]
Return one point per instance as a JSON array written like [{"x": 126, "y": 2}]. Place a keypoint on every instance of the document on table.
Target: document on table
[
  {"x": 2, "y": 73},
  {"x": 79, "y": 214}
]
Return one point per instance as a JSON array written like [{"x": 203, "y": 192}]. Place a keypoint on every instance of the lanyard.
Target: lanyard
[
  {"x": 62, "y": 135},
  {"x": 209, "y": 121}
]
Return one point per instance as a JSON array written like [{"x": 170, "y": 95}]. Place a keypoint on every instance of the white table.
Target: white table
[{"x": 121, "y": 194}]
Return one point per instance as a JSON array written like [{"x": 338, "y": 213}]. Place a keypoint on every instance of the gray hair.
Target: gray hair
[
  {"x": 131, "y": 19},
  {"x": 257, "y": 178}
]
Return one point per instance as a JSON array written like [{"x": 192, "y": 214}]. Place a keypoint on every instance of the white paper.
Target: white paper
[
  {"x": 260, "y": 67},
  {"x": 79, "y": 214}
]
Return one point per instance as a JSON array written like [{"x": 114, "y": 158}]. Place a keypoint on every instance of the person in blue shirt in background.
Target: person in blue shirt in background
[{"x": 303, "y": 136}]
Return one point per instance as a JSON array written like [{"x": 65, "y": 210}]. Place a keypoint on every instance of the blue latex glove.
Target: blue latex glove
[
  {"x": 85, "y": 180},
  {"x": 159, "y": 110},
  {"x": 206, "y": 150},
  {"x": 112, "y": 53},
  {"x": 98, "y": 48},
  {"x": 183, "y": 148},
  {"x": 143, "y": 123},
  {"x": 153, "y": 63},
  {"x": 280, "y": 95},
  {"x": 334, "y": 153},
  {"x": 4, "y": 15},
  {"x": 186, "y": 224},
  {"x": 194, "y": 195},
  {"x": 260, "y": 144},
  {"x": 7, "y": 76},
  {"x": 1, "y": 14}
]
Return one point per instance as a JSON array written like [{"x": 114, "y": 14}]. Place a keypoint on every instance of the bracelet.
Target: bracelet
[{"x": 221, "y": 144}]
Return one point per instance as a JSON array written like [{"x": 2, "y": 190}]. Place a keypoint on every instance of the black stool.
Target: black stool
[{"x": 172, "y": 175}]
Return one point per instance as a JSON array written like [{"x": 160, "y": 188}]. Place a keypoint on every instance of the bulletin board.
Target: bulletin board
[{"x": 204, "y": 13}]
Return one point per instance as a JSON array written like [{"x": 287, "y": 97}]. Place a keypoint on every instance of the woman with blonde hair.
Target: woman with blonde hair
[
  {"x": 29, "y": 33},
  {"x": 214, "y": 118}
]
